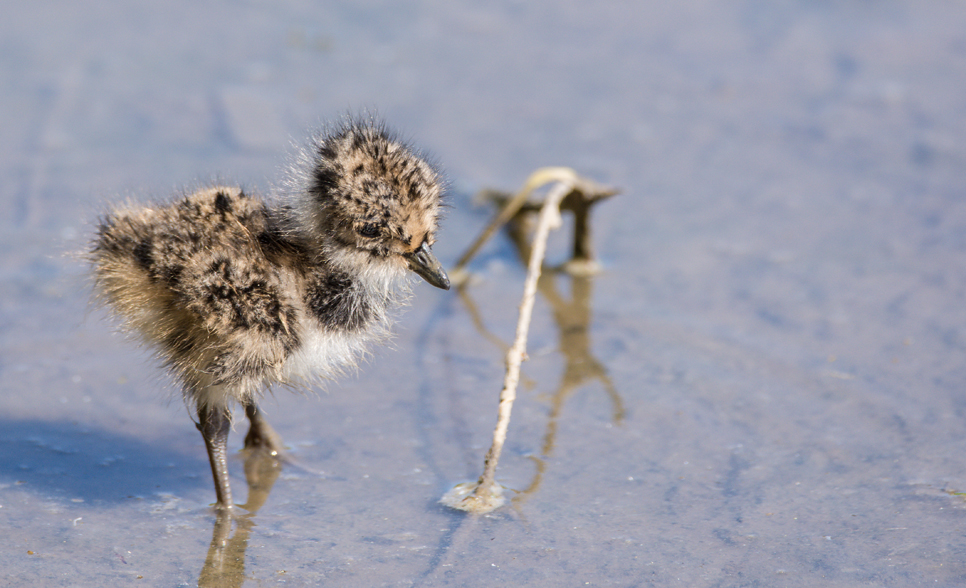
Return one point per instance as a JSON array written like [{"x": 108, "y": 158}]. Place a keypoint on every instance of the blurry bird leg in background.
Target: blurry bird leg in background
[{"x": 261, "y": 434}]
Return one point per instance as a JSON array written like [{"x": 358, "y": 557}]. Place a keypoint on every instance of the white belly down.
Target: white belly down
[{"x": 326, "y": 354}]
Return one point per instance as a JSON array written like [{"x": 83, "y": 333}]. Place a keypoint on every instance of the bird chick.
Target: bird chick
[{"x": 235, "y": 294}]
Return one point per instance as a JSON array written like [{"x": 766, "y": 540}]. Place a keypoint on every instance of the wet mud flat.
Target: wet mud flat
[{"x": 763, "y": 386}]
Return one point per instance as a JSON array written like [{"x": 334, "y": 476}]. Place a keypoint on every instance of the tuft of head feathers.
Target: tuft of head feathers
[{"x": 367, "y": 197}]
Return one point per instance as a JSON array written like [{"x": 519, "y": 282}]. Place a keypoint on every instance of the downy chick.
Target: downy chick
[{"x": 236, "y": 295}]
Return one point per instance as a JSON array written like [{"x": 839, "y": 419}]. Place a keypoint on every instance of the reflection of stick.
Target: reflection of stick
[
  {"x": 538, "y": 178},
  {"x": 486, "y": 496},
  {"x": 583, "y": 195}
]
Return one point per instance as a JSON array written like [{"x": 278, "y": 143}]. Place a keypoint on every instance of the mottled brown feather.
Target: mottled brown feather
[{"x": 235, "y": 295}]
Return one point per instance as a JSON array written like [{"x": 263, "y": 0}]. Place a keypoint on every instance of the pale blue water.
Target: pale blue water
[{"x": 782, "y": 315}]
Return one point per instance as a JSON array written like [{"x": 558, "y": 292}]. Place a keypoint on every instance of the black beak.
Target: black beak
[{"x": 425, "y": 265}]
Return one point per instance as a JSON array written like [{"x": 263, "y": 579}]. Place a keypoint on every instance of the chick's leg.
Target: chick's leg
[
  {"x": 261, "y": 434},
  {"x": 214, "y": 422}
]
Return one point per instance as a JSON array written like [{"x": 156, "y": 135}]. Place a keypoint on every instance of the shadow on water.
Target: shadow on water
[
  {"x": 71, "y": 461},
  {"x": 68, "y": 461}
]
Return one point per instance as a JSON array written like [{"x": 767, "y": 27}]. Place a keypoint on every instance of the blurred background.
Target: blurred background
[{"x": 768, "y": 386}]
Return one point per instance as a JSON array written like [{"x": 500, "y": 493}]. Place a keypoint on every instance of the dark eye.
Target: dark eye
[{"x": 369, "y": 230}]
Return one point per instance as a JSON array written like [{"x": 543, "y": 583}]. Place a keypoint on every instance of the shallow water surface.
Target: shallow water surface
[{"x": 763, "y": 387}]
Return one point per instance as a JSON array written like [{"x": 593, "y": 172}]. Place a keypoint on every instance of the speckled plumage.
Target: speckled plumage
[{"x": 236, "y": 295}]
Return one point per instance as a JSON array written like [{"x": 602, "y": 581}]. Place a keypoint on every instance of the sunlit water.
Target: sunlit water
[{"x": 764, "y": 386}]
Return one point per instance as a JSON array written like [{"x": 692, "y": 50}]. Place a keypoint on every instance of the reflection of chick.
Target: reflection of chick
[{"x": 235, "y": 295}]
